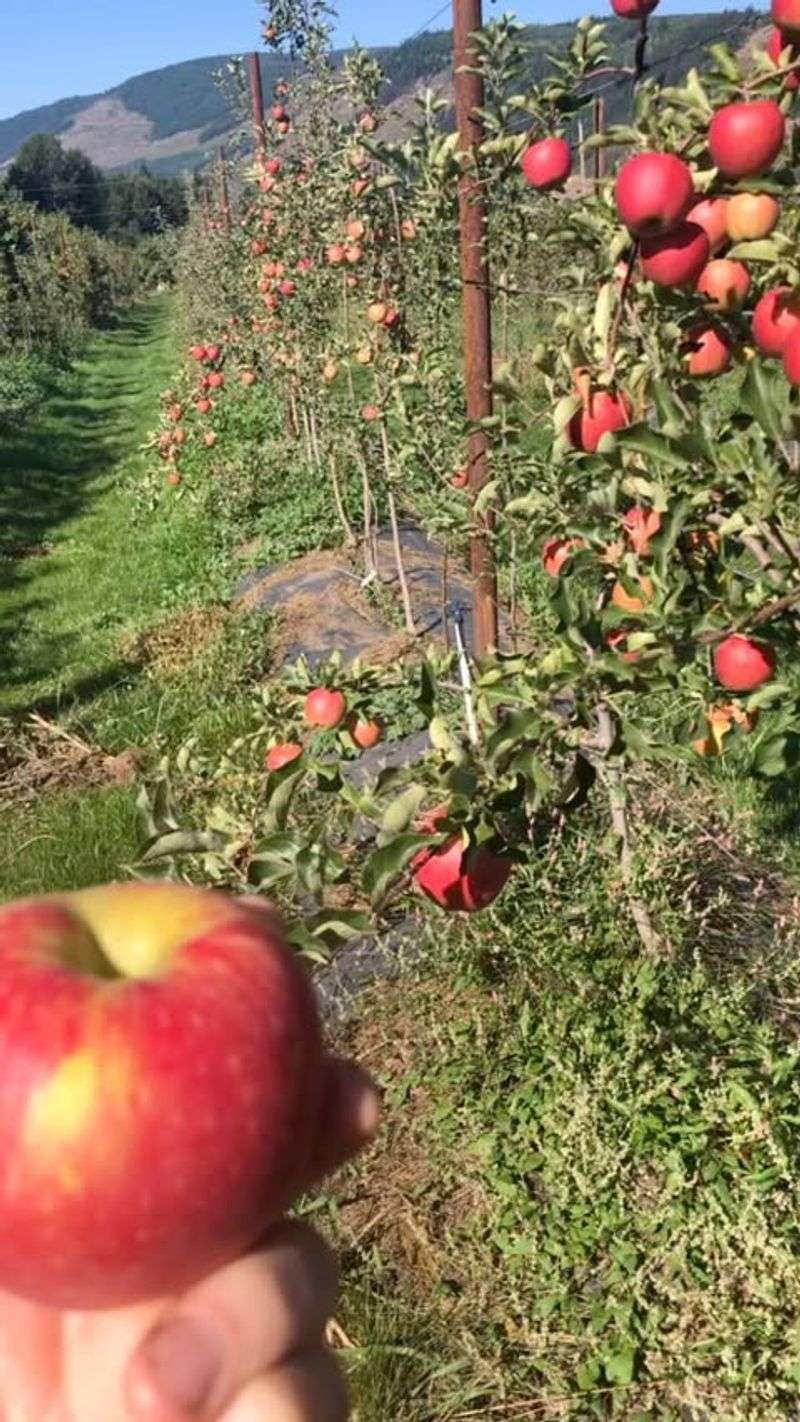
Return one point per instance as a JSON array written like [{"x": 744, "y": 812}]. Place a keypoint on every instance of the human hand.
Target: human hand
[{"x": 246, "y": 1344}]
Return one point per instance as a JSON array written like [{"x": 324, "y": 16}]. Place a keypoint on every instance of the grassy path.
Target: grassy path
[
  {"x": 63, "y": 489},
  {"x": 66, "y": 490}
]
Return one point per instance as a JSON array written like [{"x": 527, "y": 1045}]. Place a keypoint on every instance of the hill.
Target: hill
[{"x": 171, "y": 118}]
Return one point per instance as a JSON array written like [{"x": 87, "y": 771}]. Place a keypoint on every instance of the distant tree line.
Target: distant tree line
[{"x": 124, "y": 206}]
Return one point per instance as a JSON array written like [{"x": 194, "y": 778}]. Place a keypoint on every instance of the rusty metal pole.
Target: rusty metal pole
[
  {"x": 257, "y": 103},
  {"x": 477, "y": 319},
  {"x": 223, "y": 185},
  {"x": 599, "y": 107}
]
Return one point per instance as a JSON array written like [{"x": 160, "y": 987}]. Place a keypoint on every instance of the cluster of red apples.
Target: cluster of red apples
[
  {"x": 458, "y": 878},
  {"x": 677, "y": 236}
]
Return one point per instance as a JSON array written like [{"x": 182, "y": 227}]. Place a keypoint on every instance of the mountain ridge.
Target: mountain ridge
[{"x": 172, "y": 118}]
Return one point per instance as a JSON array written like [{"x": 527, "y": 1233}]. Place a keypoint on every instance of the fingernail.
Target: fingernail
[{"x": 184, "y": 1358}]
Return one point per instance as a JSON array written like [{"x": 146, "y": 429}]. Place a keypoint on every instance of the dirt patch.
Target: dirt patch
[
  {"x": 174, "y": 646},
  {"x": 42, "y": 758}
]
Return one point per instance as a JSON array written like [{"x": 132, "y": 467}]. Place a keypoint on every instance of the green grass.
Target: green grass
[
  {"x": 584, "y": 1203},
  {"x": 69, "y": 479}
]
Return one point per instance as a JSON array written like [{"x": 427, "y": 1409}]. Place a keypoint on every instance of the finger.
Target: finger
[
  {"x": 240, "y": 1322},
  {"x": 349, "y": 1117},
  {"x": 307, "y": 1388}
]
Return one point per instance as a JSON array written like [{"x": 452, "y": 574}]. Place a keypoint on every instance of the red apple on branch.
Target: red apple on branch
[
  {"x": 742, "y": 664},
  {"x": 709, "y": 349},
  {"x": 461, "y": 880},
  {"x": 775, "y": 319},
  {"x": 745, "y": 138},
  {"x": 603, "y": 413},
  {"x": 711, "y": 214},
  {"x": 161, "y": 1092},
  {"x": 724, "y": 283},
  {"x": 547, "y": 164},
  {"x": 283, "y": 754},
  {"x": 633, "y": 9},
  {"x": 325, "y": 708},
  {"x": 675, "y": 258},
  {"x": 776, "y": 45},
  {"x": 786, "y": 15},
  {"x": 653, "y": 192},
  {"x": 366, "y": 733},
  {"x": 752, "y": 216}
]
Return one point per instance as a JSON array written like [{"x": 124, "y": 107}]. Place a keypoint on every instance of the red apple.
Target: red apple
[
  {"x": 786, "y": 15},
  {"x": 281, "y": 755},
  {"x": 174, "y": 479},
  {"x": 791, "y": 358},
  {"x": 336, "y": 254},
  {"x": 213, "y": 353},
  {"x": 745, "y": 139},
  {"x": 216, "y": 380},
  {"x": 742, "y": 664},
  {"x": 204, "y": 406},
  {"x": 197, "y": 352},
  {"x": 710, "y": 349},
  {"x": 653, "y": 191},
  {"x": 711, "y": 214},
  {"x": 556, "y": 552},
  {"x": 370, "y": 413},
  {"x": 604, "y": 412},
  {"x": 210, "y": 438},
  {"x": 461, "y": 881},
  {"x": 547, "y": 164},
  {"x": 161, "y": 1093},
  {"x": 675, "y": 258},
  {"x": 777, "y": 43},
  {"x": 367, "y": 734},
  {"x": 325, "y": 708},
  {"x": 752, "y": 216},
  {"x": 776, "y": 317},
  {"x": 248, "y": 377},
  {"x": 460, "y": 479},
  {"x": 633, "y": 9},
  {"x": 725, "y": 284}
]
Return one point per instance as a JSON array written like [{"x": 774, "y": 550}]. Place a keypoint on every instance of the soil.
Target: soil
[
  {"x": 42, "y": 758},
  {"x": 322, "y": 605}
]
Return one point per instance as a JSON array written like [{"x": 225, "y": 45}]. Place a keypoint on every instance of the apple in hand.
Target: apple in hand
[
  {"x": 161, "y": 1090},
  {"x": 742, "y": 664}
]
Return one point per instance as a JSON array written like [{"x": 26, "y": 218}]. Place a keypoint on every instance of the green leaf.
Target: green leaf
[
  {"x": 386, "y": 865},
  {"x": 400, "y": 813},
  {"x": 758, "y": 397},
  {"x": 646, "y": 441},
  {"x": 619, "y": 1367},
  {"x": 183, "y": 842}
]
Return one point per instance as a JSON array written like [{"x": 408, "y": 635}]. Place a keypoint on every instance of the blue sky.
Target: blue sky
[{"x": 52, "y": 49}]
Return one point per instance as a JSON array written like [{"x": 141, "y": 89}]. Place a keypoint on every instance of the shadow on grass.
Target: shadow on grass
[{"x": 49, "y": 472}]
